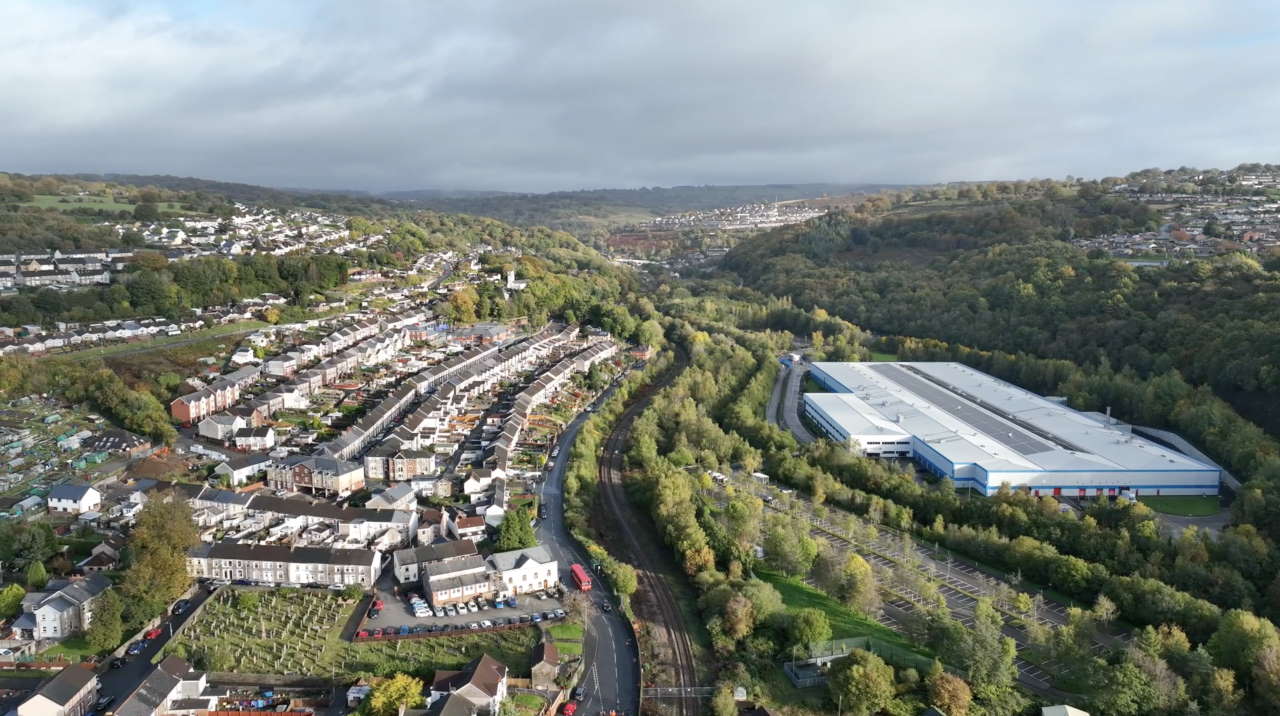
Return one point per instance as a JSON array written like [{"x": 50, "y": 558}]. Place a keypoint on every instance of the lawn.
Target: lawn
[
  {"x": 522, "y": 703},
  {"x": 1183, "y": 505},
  {"x": 299, "y": 632},
  {"x": 845, "y": 622},
  {"x": 566, "y": 631},
  {"x": 883, "y": 357},
  {"x": 74, "y": 649}
]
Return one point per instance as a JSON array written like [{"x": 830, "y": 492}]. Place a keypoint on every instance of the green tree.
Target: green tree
[
  {"x": 106, "y": 631},
  {"x": 1125, "y": 691},
  {"x": 787, "y": 549},
  {"x": 808, "y": 627},
  {"x": 861, "y": 683},
  {"x": 516, "y": 532},
  {"x": 399, "y": 692},
  {"x": 11, "y": 600},
  {"x": 146, "y": 211},
  {"x": 37, "y": 576}
]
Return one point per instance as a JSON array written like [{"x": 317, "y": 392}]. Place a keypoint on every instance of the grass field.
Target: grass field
[
  {"x": 883, "y": 357},
  {"x": 164, "y": 341},
  {"x": 299, "y": 632},
  {"x": 53, "y": 201},
  {"x": 845, "y": 622},
  {"x": 1183, "y": 505}
]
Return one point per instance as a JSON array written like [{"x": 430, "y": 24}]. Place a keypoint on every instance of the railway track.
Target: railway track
[{"x": 644, "y": 559}]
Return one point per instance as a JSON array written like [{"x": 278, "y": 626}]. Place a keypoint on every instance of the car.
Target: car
[
  {"x": 536, "y": 617},
  {"x": 103, "y": 702},
  {"x": 606, "y": 607},
  {"x": 548, "y": 616},
  {"x": 560, "y": 614},
  {"x": 377, "y": 604},
  {"x": 336, "y": 587},
  {"x": 473, "y": 625},
  {"x": 438, "y": 611},
  {"x": 362, "y": 634},
  {"x": 484, "y": 605},
  {"x": 570, "y": 708},
  {"x": 541, "y": 595},
  {"x": 578, "y": 693},
  {"x": 511, "y": 602},
  {"x": 471, "y": 607},
  {"x": 524, "y": 618},
  {"x": 421, "y": 613},
  {"x": 486, "y": 624},
  {"x": 154, "y": 633},
  {"x": 404, "y": 630},
  {"x": 418, "y": 628},
  {"x": 119, "y": 662},
  {"x": 374, "y": 612},
  {"x": 542, "y": 512},
  {"x": 136, "y": 648},
  {"x": 499, "y": 604},
  {"x": 390, "y": 631},
  {"x": 451, "y": 611},
  {"x": 219, "y": 583}
]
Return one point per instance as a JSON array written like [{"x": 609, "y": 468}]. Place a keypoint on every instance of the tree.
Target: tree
[
  {"x": 808, "y": 627},
  {"x": 722, "y": 703},
  {"x": 861, "y": 683},
  {"x": 856, "y": 585},
  {"x": 352, "y": 592},
  {"x": 146, "y": 211},
  {"x": 37, "y": 576},
  {"x": 160, "y": 539},
  {"x": 106, "y": 631},
  {"x": 395, "y": 694},
  {"x": 24, "y": 542},
  {"x": 516, "y": 532},
  {"x": 949, "y": 692},
  {"x": 11, "y": 600},
  {"x": 1125, "y": 691},
  {"x": 787, "y": 549}
]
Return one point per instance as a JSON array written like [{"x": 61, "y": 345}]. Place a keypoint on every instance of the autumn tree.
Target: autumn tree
[
  {"x": 948, "y": 691},
  {"x": 106, "y": 631},
  {"x": 395, "y": 694},
  {"x": 163, "y": 533}
]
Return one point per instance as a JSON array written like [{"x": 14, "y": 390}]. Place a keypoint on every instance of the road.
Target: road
[
  {"x": 612, "y": 678},
  {"x": 786, "y": 390},
  {"x": 121, "y": 682}
]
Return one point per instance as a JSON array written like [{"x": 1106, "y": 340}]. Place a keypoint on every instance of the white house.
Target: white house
[
  {"x": 64, "y": 609},
  {"x": 263, "y": 438},
  {"x": 525, "y": 570},
  {"x": 74, "y": 499},
  {"x": 242, "y": 467},
  {"x": 221, "y": 426}
]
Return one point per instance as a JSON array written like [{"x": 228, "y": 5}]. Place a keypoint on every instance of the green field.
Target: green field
[
  {"x": 165, "y": 341},
  {"x": 883, "y": 357},
  {"x": 1183, "y": 505},
  {"x": 67, "y": 203},
  {"x": 299, "y": 632},
  {"x": 845, "y": 622}
]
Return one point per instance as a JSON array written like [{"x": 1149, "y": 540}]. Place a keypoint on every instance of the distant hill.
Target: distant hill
[{"x": 595, "y": 211}]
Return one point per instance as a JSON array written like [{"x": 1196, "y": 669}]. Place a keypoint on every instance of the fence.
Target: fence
[
  {"x": 229, "y": 678},
  {"x": 459, "y": 629},
  {"x": 807, "y": 671}
]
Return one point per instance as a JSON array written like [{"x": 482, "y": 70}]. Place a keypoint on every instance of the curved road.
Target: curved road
[{"x": 612, "y": 678}]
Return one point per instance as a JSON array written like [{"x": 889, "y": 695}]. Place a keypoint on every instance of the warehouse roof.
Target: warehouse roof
[{"x": 970, "y": 417}]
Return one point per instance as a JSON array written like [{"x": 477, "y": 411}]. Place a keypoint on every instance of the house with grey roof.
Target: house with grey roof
[
  {"x": 479, "y": 688},
  {"x": 71, "y": 692},
  {"x": 74, "y": 499},
  {"x": 63, "y": 609},
  {"x": 171, "y": 681},
  {"x": 409, "y": 563}
]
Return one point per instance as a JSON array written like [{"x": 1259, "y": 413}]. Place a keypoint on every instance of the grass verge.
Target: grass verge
[
  {"x": 1183, "y": 505},
  {"x": 845, "y": 622}
]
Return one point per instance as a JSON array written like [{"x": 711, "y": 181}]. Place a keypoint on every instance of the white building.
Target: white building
[
  {"x": 277, "y": 564},
  {"x": 525, "y": 570},
  {"x": 74, "y": 499},
  {"x": 983, "y": 433},
  {"x": 70, "y": 693}
]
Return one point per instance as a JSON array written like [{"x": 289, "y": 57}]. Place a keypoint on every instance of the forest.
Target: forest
[{"x": 995, "y": 278}]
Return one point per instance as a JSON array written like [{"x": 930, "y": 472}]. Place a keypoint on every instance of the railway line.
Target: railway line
[{"x": 642, "y": 549}]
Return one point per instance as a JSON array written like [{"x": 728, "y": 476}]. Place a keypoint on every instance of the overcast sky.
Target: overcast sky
[{"x": 527, "y": 95}]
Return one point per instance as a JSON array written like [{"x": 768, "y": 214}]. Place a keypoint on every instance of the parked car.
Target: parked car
[
  {"x": 363, "y": 633},
  {"x": 578, "y": 693},
  {"x": 390, "y": 631},
  {"x": 103, "y": 702},
  {"x": 153, "y": 633},
  {"x": 511, "y": 602},
  {"x": 404, "y": 630},
  {"x": 606, "y": 607},
  {"x": 524, "y": 619},
  {"x": 536, "y": 617},
  {"x": 486, "y": 624},
  {"x": 560, "y": 614},
  {"x": 473, "y": 625},
  {"x": 219, "y": 582},
  {"x": 136, "y": 648},
  {"x": 181, "y": 606},
  {"x": 374, "y": 612},
  {"x": 541, "y": 595},
  {"x": 119, "y": 662},
  {"x": 439, "y": 611},
  {"x": 336, "y": 587}
]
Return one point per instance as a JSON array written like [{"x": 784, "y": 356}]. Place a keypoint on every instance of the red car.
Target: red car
[
  {"x": 377, "y": 604},
  {"x": 362, "y": 633},
  {"x": 570, "y": 709},
  {"x": 154, "y": 633}
]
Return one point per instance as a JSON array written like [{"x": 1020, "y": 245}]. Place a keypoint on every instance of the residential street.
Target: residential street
[
  {"x": 121, "y": 682},
  {"x": 612, "y": 679}
]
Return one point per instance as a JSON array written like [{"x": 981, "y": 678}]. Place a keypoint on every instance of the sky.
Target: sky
[{"x": 527, "y": 95}]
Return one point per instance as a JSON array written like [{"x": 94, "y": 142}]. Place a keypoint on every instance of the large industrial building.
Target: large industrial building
[{"x": 983, "y": 433}]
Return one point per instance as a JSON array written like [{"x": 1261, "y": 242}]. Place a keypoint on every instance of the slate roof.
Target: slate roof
[{"x": 64, "y": 686}]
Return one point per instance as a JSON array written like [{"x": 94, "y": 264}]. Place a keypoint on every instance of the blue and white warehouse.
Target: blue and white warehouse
[{"x": 983, "y": 433}]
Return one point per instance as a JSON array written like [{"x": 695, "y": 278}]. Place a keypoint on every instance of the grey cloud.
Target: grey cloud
[{"x": 536, "y": 95}]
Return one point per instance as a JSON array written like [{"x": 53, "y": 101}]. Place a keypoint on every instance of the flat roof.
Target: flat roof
[{"x": 970, "y": 417}]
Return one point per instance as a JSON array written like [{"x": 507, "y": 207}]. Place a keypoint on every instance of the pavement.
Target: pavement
[
  {"x": 122, "y": 682},
  {"x": 612, "y": 678}
]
